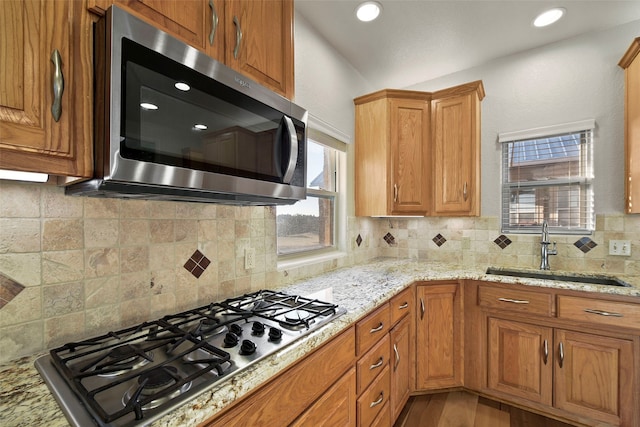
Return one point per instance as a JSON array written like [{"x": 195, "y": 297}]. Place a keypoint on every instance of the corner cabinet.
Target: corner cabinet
[
  {"x": 392, "y": 169},
  {"x": 418, "y": 153},
  {"x": 45, "y": 87},
  {"x": 631, "y": 64},
  {"x": 456, "y": 150}
]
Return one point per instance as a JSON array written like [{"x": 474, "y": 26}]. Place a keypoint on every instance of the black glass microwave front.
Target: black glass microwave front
[{"x": 175, "y": 116}]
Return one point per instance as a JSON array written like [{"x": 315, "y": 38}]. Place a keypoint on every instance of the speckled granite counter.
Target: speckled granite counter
[{"x": 26, "y": 401}]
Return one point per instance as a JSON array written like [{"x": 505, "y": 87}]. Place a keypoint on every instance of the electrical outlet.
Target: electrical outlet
[
  {"x": 249, "y": 258},
  {"x": 620, "y": 247}
]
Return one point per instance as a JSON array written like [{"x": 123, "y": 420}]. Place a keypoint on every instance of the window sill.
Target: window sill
[{"x": 302, "y": 260}]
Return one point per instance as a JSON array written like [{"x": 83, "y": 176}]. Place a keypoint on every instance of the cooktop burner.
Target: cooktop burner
[{"x": 134, "y": 376}]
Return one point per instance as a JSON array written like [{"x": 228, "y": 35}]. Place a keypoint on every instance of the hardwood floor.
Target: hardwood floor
[{"x": 463, "y": 409}]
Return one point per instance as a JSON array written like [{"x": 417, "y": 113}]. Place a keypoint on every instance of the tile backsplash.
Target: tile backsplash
[{"x": 72, "y": 268}]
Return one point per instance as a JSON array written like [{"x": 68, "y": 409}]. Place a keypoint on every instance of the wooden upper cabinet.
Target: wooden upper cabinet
[
  {"x": 456, "y": 150},
  {"x": 259, "y": 41},
  {"x": 392, "y": 153},
  {"x": 631, "y": 64},
  {"x": 45, "y": 79}
]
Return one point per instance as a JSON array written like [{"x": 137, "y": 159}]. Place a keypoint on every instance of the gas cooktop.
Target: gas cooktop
[{"x": 134, "y": 376}]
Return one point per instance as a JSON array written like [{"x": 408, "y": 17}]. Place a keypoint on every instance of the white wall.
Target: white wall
[{"x": 571, "y": 80}]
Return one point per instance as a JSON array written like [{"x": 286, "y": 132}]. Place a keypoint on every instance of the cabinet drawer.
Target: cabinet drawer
[
  {"x": 384, "y": 417},
  {"x": 372, "y": 363},
  {"x": 539, "y": 303},
  {"x": 374, "y": 399},
  {"x": 401, "y": 305},
  {"x": 372, "y": 328},
  {"x": 614, "y": 313}
]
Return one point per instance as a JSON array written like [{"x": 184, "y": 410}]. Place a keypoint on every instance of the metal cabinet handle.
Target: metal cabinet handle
[
  {"x": 403, "y": 306},
  {"x": 377, "y": 402},
  {"x": 236, "y": 49},
  {"x": 58, "y": 85},
  {"x": 395, "y": 193},
  {"x": 214, "y": 22},
  {"x": 395, "y": 350},
  {"x": 561, "y": 354},
  {"x": 421, "y": 308},
  {"x": 514, "y": 301},
  {"x": 378, "y": 328},
  {"x": 602, "y": 313},
  {"x": 464, "y": 191},
  {"x": 377, "y": 364},
  {"x": 546, "y": 352}
]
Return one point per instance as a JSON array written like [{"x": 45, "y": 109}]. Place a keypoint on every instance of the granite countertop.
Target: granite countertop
[{"x": 26, "y": 401}]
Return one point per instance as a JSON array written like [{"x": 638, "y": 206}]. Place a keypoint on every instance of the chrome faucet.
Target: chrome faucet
[{"x": 544, "y": 247}]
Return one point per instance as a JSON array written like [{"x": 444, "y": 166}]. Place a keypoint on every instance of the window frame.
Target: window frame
[{"x": 583, "y": 181}]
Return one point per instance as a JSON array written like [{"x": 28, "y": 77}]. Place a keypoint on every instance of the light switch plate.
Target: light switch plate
[{"x": 620, "y": 247}]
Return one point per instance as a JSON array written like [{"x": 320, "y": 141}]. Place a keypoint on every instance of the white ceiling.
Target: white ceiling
[{"x": 419, "y": 40}]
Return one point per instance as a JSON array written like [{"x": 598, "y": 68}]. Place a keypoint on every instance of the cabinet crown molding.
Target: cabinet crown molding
[{"x": 630, "y": 54}]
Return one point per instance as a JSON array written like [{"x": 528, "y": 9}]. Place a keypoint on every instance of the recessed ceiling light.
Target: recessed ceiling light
[
  {"x": 200, "y": 126},
  {"x": 548, "y": 17},
  {"x": 182, "y": 86},
  {"x": 368, "y": 11},
  {"x": 148, "y": 106}
]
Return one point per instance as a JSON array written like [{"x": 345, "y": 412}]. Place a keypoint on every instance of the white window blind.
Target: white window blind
[{"x": 547, "y": 174}]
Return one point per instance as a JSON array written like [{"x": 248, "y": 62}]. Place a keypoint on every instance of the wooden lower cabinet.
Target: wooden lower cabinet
[
  {"x": 439, "y": 336},
  {"x": 400, "y": 367},
  {"x": 373, "y": 399}
]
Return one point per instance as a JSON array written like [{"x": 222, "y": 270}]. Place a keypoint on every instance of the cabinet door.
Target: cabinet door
[
  {"x": 456, "y": 155},
  {"x": 594, "y": 377},
  {"x": 336, "y": 407},
  {"x": 520, "y": 360},
  {"x": 439, "y": 336},
  {"x": 36, "y": 124},
  {"x": 631, "y": 63},
  {"x": 214, "y": 20},
  {"x": 259, "y": 38},
  {"x": 410, "y": 156},
  {"x": 400, "y": 367}
]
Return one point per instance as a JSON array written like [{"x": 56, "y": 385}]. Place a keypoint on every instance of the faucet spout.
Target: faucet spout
[{"x": 544, "y": 247}]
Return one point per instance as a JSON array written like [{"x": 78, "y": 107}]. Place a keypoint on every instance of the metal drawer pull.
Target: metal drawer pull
[
  {"x": 395, "y": 193},
  {"x": 236, "y": 49},
  {"x": 546, "y": 352},
  {"x": 214, "y": 22},
  {"x": 395, "y": 350},
  {"x": 378, "y": 364},
  {"x": 421, "y": 308},
  {"x": 561, "y": 353},
  {"x": 602, "y": 313},
  {"x": 464, "y": 191},
  {"x": 379, "y": 401},
  {"x": 403, "y": 306},
  {"x": 58, "y": 85},
  {"x": 514, "y": 301},
  {"x": 378, "y": 329}
]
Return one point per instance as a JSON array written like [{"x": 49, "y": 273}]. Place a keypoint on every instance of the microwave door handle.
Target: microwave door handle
[{"x": 293, "y": 153}]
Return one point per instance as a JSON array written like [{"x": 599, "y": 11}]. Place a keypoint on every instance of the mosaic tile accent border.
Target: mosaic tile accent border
[
  {"x": 502, "y": 241},
  {"x": 359, "y": 240},
  {"x": 9, "y": 289},
  {"x": 585, "y": 244},
  {"x": 391, "y": 241},
  {"x": 197, "y": 264},
  {"x": 439, "y": 240}
]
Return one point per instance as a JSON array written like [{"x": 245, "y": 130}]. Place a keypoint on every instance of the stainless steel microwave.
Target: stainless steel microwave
[{"x": 171, "y": 123}]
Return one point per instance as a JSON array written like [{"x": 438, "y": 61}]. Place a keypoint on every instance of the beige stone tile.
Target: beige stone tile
[
  {"x": 62, "y": 299},
  {"x": 226, "y": 250},
  {"x": 23, "y": 268},
  {"x": 162, "y": 304},
  {"x": 226, "y": 269},
  {"x": 135, "y": 258},
  {"x": 189, "y": 210},
  {"x": 63, "y": 329},
  {"x": 18, "y": 200},
  {"x": 614, "y": 223},
  {"x": 243, "y": 228},
  {"x": 25, "y": 307},
  {"x": 134, "y": 209},
  {"x": 135, "y": 285},
  {"x": 101, "y": 262},
  {"x": 135, "y": 311},
  {"x": 134, "y": 232},
  {"x": 101, "y": 233},
  {"x": 101, "y": 291},
  {"x": 21, "y": 340},
  {"x": 186, "y": 290},
  {"x": 243, "y": 285},
  {"x": 161, "y": 231},
  {"x": 226, "y": 229},
  {"x": 101, "y": 208},
  {"x": 162, "y": 282},
  {"x": 186, "y": 231},
  {"x": 56, "y": 205},
  {"x": 162, "y": 210},
  {"x": 208, "y": 293},
  {"x": 19, "y": 235},
  {"x": 227, "y": 289},
  {"x": 62, "y": 234},
  {"x": 62, "y": 266},
  {"x": 207, "y": 230},
  {"x": 162, "y": 257},
  {"x": 101, "y": 320},
  {"x": 226, "y": 212}
]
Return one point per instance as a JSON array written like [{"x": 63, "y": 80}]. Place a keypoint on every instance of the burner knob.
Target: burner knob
[
  {"x": 230, "y": 339},
  {"x": 275, "y": 334},
  {"x": 247, "y": 347},
  {"x": 236, "y": 329},
  {"x": 257, "y": 328}
]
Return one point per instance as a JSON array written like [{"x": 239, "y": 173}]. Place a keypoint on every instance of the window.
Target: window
[
  {"x": 311, "y": 226},
  {"x": 547, "y": 174}
]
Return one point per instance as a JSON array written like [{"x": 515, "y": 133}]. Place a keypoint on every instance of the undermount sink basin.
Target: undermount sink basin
[{"x": 564, "y": 277}]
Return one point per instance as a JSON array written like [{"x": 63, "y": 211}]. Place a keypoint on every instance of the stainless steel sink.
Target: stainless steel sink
[{"x": 564, "y": 277}]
